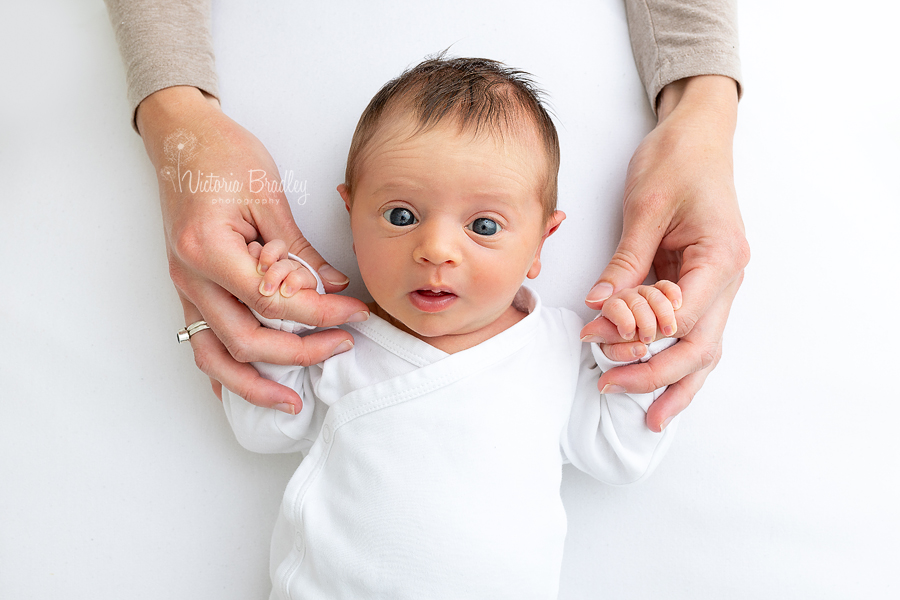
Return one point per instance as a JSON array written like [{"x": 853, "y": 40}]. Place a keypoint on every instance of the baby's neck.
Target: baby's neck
[{"x": 457, "y": 342}]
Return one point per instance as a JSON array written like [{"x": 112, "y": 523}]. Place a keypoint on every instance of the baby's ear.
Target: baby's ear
[
  {"x": 550, "y": 228},
  {"x": 553, "y": 223},
  {"x": 344, "y": 191}
]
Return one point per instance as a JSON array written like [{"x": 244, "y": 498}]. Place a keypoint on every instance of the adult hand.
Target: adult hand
[
  {"x": 200, "y": 155},
  {"x": 681, "y": 215}
]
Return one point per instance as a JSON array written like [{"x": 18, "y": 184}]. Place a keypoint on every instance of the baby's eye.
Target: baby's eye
[
  {"x": 483, "y": 226},
  {"x": 400, "y": 217}
]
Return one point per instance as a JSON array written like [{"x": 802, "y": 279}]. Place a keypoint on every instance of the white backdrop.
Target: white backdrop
[{"x": 118, "y": 474}]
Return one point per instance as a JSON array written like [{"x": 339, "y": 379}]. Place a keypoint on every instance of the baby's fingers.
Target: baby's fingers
[
  {"x": 288, "y": 275},
  {"x": 664, "y": 298},
  {"x": 672, "y": 291},
  {"x": 644, "y": 316},
  {"x": 270, "y": 254},
  {"x": 617, "y": 311},
  {"x": 298, "y": 279}
]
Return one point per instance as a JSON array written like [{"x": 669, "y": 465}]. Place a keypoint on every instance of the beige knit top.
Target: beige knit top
[{"x": 168, "y": 42}]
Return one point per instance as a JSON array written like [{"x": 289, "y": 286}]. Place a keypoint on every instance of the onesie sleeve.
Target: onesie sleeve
[
  {"x": 674, "y": 39},
  {"x": 607, "y": 435},
  {"x": 164, "y": 43},
  {"x": 271, "y": 431}
]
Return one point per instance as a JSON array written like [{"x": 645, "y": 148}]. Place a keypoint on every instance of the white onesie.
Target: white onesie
[{"x": 436, "y": 476}]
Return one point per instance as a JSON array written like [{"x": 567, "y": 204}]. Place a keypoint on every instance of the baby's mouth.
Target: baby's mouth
[{"x": 429, "y": 300}]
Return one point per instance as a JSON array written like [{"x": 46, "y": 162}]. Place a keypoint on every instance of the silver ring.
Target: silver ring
[{"x": 185, "y": 334}]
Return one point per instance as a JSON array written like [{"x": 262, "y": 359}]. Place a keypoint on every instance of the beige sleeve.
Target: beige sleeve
[
  {"x": 674, "y": 39},
  {"x": 168, "y": 42},
  {"x": 164, "y": 43}
]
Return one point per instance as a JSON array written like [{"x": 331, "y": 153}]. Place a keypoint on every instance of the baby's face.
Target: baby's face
[{"x": 447, "y": 226}]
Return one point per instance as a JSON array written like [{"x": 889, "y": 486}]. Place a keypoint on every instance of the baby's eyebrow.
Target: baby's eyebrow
[
  {"x": 485, "y": 194},
  {"x": 497, "y": 196},
  {"x": 398, "y": 184}
]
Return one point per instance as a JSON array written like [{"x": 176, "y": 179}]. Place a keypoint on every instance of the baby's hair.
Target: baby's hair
[{"x": 478, "y": 93}]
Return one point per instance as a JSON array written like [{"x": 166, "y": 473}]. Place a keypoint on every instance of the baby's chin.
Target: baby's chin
[
  {"x": 378, "y": 310},
  {"x": 453, "y": 339}
]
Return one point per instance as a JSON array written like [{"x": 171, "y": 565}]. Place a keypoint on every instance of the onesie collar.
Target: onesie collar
[{"x": 422, "y": 353}]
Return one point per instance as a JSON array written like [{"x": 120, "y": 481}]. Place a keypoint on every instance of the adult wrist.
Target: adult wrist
[
  {"x": 714, "y": 96},
  {"x": 169, "y": 108}
]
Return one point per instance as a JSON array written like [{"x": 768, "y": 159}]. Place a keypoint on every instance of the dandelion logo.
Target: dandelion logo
[
  {"x": 169, "y": 174},
  {"x": 179, "y": 147}
]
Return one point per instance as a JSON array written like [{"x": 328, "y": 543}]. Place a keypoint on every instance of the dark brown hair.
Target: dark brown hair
[{"x": 478, "y": 93}]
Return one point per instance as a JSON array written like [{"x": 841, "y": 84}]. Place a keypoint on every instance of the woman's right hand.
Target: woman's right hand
[{"x": 190, "y": 140}]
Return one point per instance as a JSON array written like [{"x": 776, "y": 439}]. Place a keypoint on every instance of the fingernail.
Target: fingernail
[
  {"x": 266, "y": 288},
  {"x": 286, "y": 408},
  {"x": 612, "y": 388},
  {"x": 342, "y": 347},
  {"x": 261, "y": 269},
  {"x": 600, "y": 292},
  {"x": 668, "y": 331},
  {"x": 629, "y": 336},
  {"x": 665, "y": 423},
  {"x": 287, "y": 291},
  {"x": 646, "y": 339},
  {"x": 358, "y": 317},
  {"x": 638, "y": 351},
  {"x": 331, "y": 275},
  {"x": 593, "y": 338}
]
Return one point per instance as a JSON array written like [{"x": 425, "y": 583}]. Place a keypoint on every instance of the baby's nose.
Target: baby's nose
[{"x": 438, "y": 245}]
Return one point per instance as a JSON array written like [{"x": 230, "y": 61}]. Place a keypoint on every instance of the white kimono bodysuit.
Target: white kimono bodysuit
[{"x": 436, "y": 476}]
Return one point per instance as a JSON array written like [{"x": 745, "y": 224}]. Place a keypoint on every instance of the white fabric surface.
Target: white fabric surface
[{"x": 119, "y": 475}]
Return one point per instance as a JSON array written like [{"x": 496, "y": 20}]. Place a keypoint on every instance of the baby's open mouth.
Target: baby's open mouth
[{"x": 432, "y": 300}]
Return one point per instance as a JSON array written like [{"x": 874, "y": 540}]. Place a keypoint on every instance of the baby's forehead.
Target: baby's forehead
[
  {"x": 406, "y": 128},
  {"x": 456, "y": 168}
]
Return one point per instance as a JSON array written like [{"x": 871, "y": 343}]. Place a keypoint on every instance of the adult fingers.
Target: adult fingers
[
  {"x": 698, "y": 350},
  {"x": 626, "y": 352},
  {"x": 246, "y": 340},
  {"x": 227, "y": 262},
  {"x": 709, "y": 268},
  {"x": 601, "y": 331},
  {"x": 675, "y": 399},
  {"x": 211, "y": 357},
  {"x": 669, "y": 366}
]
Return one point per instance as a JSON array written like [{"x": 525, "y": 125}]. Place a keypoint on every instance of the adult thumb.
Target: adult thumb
[{"x": 629, "y": 265}]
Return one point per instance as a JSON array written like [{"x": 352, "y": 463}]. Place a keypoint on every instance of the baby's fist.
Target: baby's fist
[
  {"x": 280, "y": 271},
  {"x": 644, "y": 311}
]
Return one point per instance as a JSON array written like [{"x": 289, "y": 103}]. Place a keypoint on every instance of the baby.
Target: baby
[{"x": 435, "y": 445}]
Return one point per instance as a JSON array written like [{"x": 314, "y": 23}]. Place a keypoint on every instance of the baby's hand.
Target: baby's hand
[
  {"x": 278, "y": 271},
  {"x": 641, "y": 313}
]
